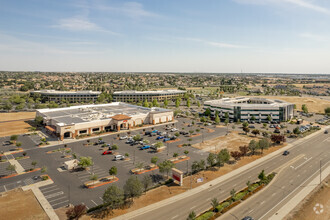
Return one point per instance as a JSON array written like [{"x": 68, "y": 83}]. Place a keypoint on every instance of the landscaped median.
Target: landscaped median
[
  {"x": 219, "y": 208},
  {"x": 100, "y": 182},
  {"x": 16, "y": 174}
]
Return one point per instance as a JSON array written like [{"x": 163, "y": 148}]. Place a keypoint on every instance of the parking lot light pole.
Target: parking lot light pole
[
  {"x": 134, "y": 157},
  {"x": 320, "y": 171}
]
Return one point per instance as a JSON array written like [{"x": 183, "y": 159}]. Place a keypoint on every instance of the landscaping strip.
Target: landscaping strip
[
  {"x": 16, "y": 174},
  {"x": 104, "y": 183}
]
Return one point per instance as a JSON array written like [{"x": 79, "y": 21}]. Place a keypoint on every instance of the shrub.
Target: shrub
[
  {"x": 220, "y": 207},
  {"x": 205, "y": 216},
  {"x": 169, "y": 181},
  {"x": 45, "y": 177},
  {"x": 231, "y": 206},
  {"x": 95, "y": 208},
  {"x": 240, "y": 195}
]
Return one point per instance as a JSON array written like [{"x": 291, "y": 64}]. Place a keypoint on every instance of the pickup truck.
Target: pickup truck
[{"x": 145, "y": 147}]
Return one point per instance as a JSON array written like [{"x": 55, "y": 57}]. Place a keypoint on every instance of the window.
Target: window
[{"x": 95, "y": 129}]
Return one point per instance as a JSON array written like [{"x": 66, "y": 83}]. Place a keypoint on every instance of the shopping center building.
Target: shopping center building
[
  {"x": 70, "y": 96},
  {"x": 137, "y": 96},
  {"x": 74, "y": 121},
  {"x": 248, "y": 108}
]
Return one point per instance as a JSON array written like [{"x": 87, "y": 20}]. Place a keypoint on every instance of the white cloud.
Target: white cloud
[
  {"x": 301, "y": 3},
  {"x": 314, "y": 37},
  {"x": 214, "y": 44},
  {"x": 130, "y": 9},
  {"x": 80, "y": 24}
]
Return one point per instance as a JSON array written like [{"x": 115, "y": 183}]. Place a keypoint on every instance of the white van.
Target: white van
[{"x": 119, "y": 157}]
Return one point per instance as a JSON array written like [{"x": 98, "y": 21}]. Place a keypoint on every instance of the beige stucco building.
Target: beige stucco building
[{"x": 73, "y": 121}]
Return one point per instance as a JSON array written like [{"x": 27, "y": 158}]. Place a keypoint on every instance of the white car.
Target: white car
[
  {"x": 123, "y": 137},
  {"x": 119, "y": 157},
  {"x": 174, "y": 129}
]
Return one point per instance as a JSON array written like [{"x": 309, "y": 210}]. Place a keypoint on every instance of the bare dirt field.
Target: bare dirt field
[
  {"x": 16, "y": 116},
  {"x": 165, "y": 192},
  {"x": 232, "y": 141},
  {"x": 314, "y": 104},
  {"x": 18, "y": 204},
  {"x": 305, "y": 210},
  {"x": 14, "y": 123}
]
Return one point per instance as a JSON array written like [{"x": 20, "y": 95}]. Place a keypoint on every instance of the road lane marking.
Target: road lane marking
[
  {"x": 101, "y": 198},
  {"x": 298, "y": 187},
  {"x": 250, "y": 211},
  {"x": 303, "y": 163},
  {"x": 94, "y": 202},
  {"x": 4, "y": 186},
  {"x": 192, "y": 207}
]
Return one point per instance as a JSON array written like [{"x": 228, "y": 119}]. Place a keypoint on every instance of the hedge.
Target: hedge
[
  {"x": 222, "y": 206},
  {"x": 95, "y": 208},
  {"x": 205, "y": 216},
  {"x": 240, "y": 195}
]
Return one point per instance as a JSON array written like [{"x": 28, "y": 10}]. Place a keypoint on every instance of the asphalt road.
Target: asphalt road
[{"x": 294, "y": 172}]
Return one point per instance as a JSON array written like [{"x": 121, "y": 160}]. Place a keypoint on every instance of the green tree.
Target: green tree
[
  {"x": 327, "y": 110},
  {"x": 177, "y": 102},
  {"x": 137, "y": 137},
  {"x": 253, "y": 118},
  {"x": 113, "y": 171},
  {"x": 186, "y": 152},
  {"x": 146, "y": 182},
  {"x": 154, "y": 160},
  {"x": 188, "y": 103},
  {"x": 93, "y": 177},
  {"x": 207, "y": 112},
  {"x": 192, "y": 216},
  {"x": 14, "y": 137},
  {"x": 227, "y": 115},
  {"x": 217, "y": 119},
  {"x": 253, "y": 146},
  {"x": 145, "y": 103},
  {"x": 155, "y": 103},
  {"x": 34, "y": 163},
  {"x": 214, "y": 203},
  {"x": 165, "y": 103},
  {"x": 198, "y": 104},
  {"x": 11, "y": 168},
  {"x": 18, "y": 144},
  {"x": 296, "y": 130},
  {"x": 211, "y": 159},
  {"x": 158, "y": 144},
  {"x": 223, "y": 157},
  {"x": 245, "y": 124},
  {"x": 269, "y": 118},
  {"x": 175, "y": 154},
  {"x": 262, "y": 177},
  {"x": 113, "y": 197},
  {"x": 133, "y": 187},
  {"x": 263, "y": 144},
  {"x": 304, "y": 108},
  {"x": 85, "y": 162},
  {"x": 44, "y": 169},
  {"x": 39, "y": 120},
  {"x": 166, "y": 166},
  {"x": 232, "y": 193}
]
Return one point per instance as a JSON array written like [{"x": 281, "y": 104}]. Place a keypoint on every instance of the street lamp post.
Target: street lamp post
[{"x": 320, "y": 171}]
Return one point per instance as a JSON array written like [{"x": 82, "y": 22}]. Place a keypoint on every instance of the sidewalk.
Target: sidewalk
[
  {"x": 292, "y": 203},
  {"x": 41, "y": 198},
  {"x": 19, "y": 168},
  {"x": 210, "y": 184}
]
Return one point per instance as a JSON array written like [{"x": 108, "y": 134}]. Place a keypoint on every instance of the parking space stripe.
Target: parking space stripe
[
  {"x": 47, "y": 187},
  {"x": 60, "y": 203},
  {"x": 50, "y": 190},
  {"x": 94, "y": 202},
  {"x": 50, "y": 201}
]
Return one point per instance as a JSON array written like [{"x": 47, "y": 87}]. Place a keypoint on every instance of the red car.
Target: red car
[{"x": 107, "y": 152}]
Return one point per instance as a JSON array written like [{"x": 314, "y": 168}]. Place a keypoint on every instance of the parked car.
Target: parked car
[
  {"x": 271, "y": 126},
  {"x": 107, "y": 152},
  {"x": 164, "y": 133},
  {"x": 154, "y": 131},
  {"x": 123, "y": 137},
  {"x": 166, "y": 139},
  {"x": 119, "y": 157},
  {"x": 36, "y": 177},
  {"x": 174, "y": 129},
  {"x": 145, "y": 147},
  {"x": 252, "y": 126},
  {"x": 326, "y": 132},
  {"x": 159, "y": 137},
  {"x": 288, "y": 131},
  {"x": 153, "y": 134},
  {"x": 101, "y": 142},
  {"x": 286, "y": 153},
  {"x": 247, "y": 218},
  {"x": 173, "y": 137},
  {"x": 277, "y": 131},
  {"x": 147, "y": 133},
  {"x": 129, "y": 141}
]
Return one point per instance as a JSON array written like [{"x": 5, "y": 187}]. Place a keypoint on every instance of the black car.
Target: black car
[
  {"x": 247, "y": 218},
  {"x": 326, "y": 132},
  {"x": 147, "y": 133},
  {"x": 277, "y": 131},
  {"x": 286, "y": 153}
]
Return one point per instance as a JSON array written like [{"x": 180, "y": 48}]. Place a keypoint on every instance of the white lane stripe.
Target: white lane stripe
[
  {"x": 60, "y": 202},
  {"x": 94, "y": 202},
  {"x": 50, "y": 190},
  {"x": 50, "y": 201},
  {"x": 303, "y": 163}
]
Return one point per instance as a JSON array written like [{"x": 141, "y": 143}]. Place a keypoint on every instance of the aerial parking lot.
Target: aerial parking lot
[{"x": 69, "y": 186}]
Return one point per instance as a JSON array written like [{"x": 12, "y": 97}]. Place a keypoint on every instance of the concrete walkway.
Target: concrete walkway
[
  {"x": 19, "y": 168},
  {"x": 216, "y": 181},
  {"x": 290, "y": 205},
  {"x": 41, "y": 198}
]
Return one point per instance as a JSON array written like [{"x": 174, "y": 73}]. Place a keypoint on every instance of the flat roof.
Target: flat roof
[
  {"x": 254, "y": 102},
  {"x": 134, "y": 92},
  {"x": 87, "y": 113},
  {"x": 54, "y": 92}
]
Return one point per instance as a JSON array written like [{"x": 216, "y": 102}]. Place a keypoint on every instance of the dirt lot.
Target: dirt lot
[
  {"x": 16, "y": 116},
  {"x": 316, "y": 105},
  {"x": 16, "y": 122},
  {"x": 18, "y": 204},
  {"x": 232, "y": 141},
  {"x": 305, "y": 210}
]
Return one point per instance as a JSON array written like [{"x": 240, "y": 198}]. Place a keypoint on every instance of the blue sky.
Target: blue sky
[{"x": 290, "y": 36}]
